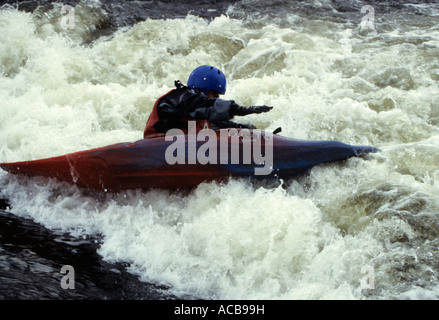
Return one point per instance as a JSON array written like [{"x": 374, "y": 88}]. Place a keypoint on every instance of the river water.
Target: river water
[{"x": 355, "y": 71}]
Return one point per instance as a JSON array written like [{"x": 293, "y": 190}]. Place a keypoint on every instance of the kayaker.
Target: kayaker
[{"x": 199, "y": 101}]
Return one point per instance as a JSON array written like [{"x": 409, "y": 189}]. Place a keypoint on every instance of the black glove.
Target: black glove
[{"x": 237, "y": 110}]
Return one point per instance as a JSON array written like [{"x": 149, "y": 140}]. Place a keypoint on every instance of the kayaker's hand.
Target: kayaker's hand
[
  {"x": 260, "y": 109},
  {"x": 237, "y": 110}
]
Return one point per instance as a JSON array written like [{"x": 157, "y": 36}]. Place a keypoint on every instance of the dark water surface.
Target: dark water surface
[{"x": 32, "y": 257}]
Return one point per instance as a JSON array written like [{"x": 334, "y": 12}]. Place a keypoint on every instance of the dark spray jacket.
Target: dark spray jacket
[{"x": 182, "y": 104}]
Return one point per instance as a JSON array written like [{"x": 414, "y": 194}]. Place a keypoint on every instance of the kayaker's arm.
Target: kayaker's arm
[
  {"x": 187, "y": 104},
  {"x": 184, "y": 103},
  {"x": 211, "y": 110},
  {"x": 237, "y": 110}
]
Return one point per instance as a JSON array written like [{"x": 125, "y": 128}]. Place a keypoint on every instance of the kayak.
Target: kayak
[{"x": 186, "y": 160}]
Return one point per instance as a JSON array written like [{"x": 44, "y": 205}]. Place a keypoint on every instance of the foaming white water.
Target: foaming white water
[
  {"x": 277, "y": 247},
  {"x": 308, "y": 239}
]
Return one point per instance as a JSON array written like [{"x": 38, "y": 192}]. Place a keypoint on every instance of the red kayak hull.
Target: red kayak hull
[{"x": 142, "y": 164}]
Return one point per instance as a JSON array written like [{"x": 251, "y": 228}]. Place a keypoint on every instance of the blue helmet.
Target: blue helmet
[{"x": 206, "y": 78}]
